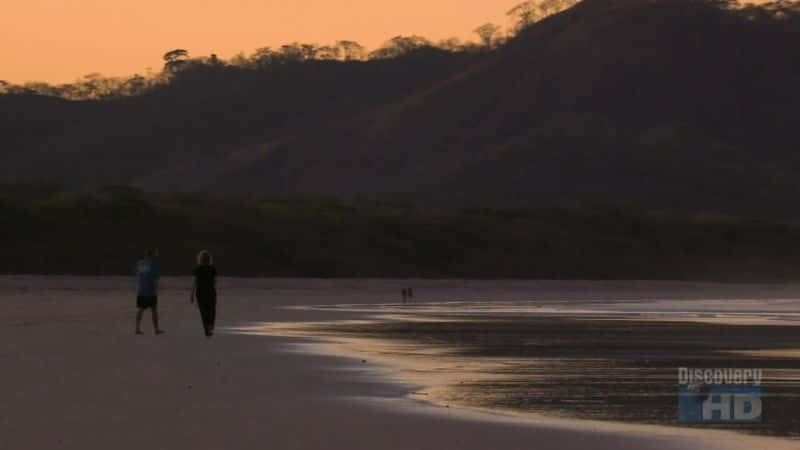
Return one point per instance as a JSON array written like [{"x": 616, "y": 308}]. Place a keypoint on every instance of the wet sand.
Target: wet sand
[
  {"x": 76, "y": 377},
  {"x": 588, "y": 366}
]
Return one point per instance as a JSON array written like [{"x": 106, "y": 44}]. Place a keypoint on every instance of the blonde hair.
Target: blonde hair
[{"x": 204, "y": 258}]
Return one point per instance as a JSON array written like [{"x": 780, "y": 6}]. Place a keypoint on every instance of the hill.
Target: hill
[{"x": 667, "y": 103}]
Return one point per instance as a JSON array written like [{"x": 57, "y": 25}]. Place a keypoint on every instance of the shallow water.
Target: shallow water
[{"x": 601, "y": 360}]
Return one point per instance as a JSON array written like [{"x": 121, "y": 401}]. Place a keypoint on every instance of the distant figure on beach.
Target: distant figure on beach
[
  {"x": 205, "y": 290},
  {"x": 147, "y": 275},
  {"x": 410, "y": 292},
  {"x": 404, "y": 294}
]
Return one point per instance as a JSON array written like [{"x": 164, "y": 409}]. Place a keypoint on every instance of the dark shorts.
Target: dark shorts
[{"x": 146, "y": 301}]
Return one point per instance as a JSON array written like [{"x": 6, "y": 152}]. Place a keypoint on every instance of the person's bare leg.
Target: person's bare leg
[
  {"x": 155, "y": 321},
  {"x": 139, "y": 313}
]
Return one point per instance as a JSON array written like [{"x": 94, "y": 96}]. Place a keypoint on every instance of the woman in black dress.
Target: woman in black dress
[{"x": 205, "y": 290}]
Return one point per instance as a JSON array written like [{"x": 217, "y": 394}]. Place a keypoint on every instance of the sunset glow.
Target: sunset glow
[{"x": 58, "y": 41}]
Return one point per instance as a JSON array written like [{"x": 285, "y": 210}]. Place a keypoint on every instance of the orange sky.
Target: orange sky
[{"x": 61, "y": 40}]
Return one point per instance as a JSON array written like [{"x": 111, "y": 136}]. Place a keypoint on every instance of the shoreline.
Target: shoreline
[
  {"x": 412, "y": 403},
  {"x": 421, "y": 386},
  {"x": 720, "y": 282}
]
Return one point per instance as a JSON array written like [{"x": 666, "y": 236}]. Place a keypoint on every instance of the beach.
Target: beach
[{"x": 76, "y": 377}]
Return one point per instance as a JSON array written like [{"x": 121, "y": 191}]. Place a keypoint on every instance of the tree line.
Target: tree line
[
  {"x": 95, "y": 86},
  {"x": 322, "y": 236}
]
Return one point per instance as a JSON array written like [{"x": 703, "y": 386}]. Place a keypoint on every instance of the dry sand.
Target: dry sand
[{"x": 75, "y": 377}]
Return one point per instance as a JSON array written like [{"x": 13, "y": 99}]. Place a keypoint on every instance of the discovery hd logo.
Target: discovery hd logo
[{"x": 719, "y": 396}]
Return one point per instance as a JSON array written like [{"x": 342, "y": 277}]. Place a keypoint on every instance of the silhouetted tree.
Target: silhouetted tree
[
  {"x": 240, "y": 60},
  {"x": 293, "y": 52},
  {"x": 175, "y": 59},
  {"x": 262, "y": 53},
  {"x": 309, "y": 51},
  {"x": 262, "y": 57},
  {"x": 400, "y": 45},
  {"x": 95, "y": 86},
  {"x": 134, "y": 85},
  {"x": 329, "y": 52},
  {"x": 214, "y": 60},
  {"x": 523, "y": 15},
  {"x": 36, "y": 87},
  {"x": 529, "y": 12},
  {"x": 488, "y": 33},
  {"x": 351, "y": 50}
]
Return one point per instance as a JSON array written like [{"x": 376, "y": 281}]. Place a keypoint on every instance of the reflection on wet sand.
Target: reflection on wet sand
[{"x": 598, "y": 360}]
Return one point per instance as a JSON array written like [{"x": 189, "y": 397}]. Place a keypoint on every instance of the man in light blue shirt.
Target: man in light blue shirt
[{"x": 147, "y": 275}]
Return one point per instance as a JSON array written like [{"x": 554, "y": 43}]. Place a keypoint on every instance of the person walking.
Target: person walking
[
  {"x": 147, "y": 277},
  {"x": 204, "y": 290}
]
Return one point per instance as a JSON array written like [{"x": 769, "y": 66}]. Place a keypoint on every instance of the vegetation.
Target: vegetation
[
  {"x": 522, "y": 16},
  {"x": 666, "y": 104},
  {"x": 49, "y": 230},
  {"x": 94, "y": 86}
]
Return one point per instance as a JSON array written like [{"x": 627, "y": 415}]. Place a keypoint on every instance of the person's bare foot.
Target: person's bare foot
[
  {"x": 139, "y": 332},
  {"x": 160, "y": 332}
]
